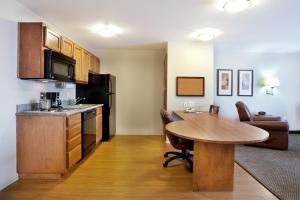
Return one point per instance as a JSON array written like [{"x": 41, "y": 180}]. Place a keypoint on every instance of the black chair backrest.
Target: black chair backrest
[{"x": 167, "y": 118}]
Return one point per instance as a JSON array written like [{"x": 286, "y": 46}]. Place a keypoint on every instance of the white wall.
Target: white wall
[
  {"x": 190, "y": 59},
  {"x": 13, "y": 90},
  {"x": 139, "y": 75},
  {"x": 285, "y": 66}
]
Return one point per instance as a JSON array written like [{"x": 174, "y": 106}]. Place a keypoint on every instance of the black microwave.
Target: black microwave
[{"x": 59, "y": 67}]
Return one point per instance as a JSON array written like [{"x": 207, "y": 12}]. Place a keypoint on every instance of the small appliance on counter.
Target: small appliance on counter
[{"x": 49, "y": 100}]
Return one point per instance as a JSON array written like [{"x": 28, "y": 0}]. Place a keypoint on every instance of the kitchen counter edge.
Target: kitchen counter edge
[{"x": 66, "y": 113}]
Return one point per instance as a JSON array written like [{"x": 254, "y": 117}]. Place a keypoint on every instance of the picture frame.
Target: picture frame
[
  {"x": 190, "y": 86},
  {"x": 224, "y": 82},
  {"x": 245, "y": 83}
]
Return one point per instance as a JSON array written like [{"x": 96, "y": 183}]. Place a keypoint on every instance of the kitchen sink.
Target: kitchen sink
[{"x": 77, "y": 106}]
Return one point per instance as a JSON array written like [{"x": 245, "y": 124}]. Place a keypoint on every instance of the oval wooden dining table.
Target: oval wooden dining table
[{"x": 214, "y": 139}]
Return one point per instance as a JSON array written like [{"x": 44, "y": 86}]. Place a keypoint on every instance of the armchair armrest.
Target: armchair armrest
[
  {"x": 270, "y": 125},
  {"x": 266, "y": 118}
]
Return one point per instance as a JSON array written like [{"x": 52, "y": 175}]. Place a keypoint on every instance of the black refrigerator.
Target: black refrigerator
[{"x": 101, "y": 89}]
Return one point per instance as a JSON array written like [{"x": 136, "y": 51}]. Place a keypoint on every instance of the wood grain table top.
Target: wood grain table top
[{"x": 211, "y": 128}]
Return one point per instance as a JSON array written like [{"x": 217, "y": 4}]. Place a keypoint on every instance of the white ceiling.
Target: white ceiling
[{"x": 271, "y": 24}]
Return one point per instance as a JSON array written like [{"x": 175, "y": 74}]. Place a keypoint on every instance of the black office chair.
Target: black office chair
[{"x": 178, "y": 143}]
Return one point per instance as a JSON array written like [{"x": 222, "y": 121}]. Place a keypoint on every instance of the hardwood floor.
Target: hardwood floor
[{"x": 130, "y": 167}]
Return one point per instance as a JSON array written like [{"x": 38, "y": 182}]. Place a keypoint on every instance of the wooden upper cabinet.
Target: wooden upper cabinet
[
  {"x": 52, "y": 40},
  {"x": 30, "y": 54},
  {"x": 92, "y": 63},
  {"x": 35, "y": 37},
  {"x": 78, "y": 67},
  {"x": 97, "y": 65},
  {"x": 67, "y": 47},
  {"x": 85, "y": 66}
]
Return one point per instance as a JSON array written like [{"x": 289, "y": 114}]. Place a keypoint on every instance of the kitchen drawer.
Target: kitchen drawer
[
  {"x": 73, "y": 131},
  {"x": 71, "y": 144},
  {"x": 74, "y": 156},
  {"x": 99, "y": 110},
  {"x": 73, "y": 120}
]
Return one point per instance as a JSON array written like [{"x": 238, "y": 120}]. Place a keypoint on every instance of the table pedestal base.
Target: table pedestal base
[{"x": 213, "y": 167}]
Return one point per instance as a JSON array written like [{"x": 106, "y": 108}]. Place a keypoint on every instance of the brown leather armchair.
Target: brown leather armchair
[{"x": 278, "y": 129}]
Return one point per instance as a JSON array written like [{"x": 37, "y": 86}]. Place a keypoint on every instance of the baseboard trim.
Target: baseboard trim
[
  {"x": 11, "y": 181},
  {"x": 294, "y": 132}
]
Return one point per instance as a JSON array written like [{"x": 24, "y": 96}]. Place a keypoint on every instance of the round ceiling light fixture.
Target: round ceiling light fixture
[
  {"x": 205, "y": 34},
  {"x": 106, "y": 30},
  {"x": 236, "y": 5}
]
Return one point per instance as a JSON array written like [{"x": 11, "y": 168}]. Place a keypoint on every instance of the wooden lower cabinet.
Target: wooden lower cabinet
[
  {"x": 74, "y": 142},
  {"x": 47, "y": 146},
  {"x": 73, "y": 139},
  {"x": 73, "y": 156}
]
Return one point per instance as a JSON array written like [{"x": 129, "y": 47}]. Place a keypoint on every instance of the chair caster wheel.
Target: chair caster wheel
[
  {"x": 165, "y": 155},
  {"x": 165, "y": 165}
]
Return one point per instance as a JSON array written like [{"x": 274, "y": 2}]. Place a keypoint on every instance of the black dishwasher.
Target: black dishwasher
[{"x": 88, "y": 131}]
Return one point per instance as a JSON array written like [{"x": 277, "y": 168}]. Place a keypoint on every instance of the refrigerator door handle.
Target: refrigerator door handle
[
  {"x": 110, "y": 102},
  {"x": 110, "y": 86}
]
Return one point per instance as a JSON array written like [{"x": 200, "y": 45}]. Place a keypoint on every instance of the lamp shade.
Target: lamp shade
[{"x": 272, "y": 82}]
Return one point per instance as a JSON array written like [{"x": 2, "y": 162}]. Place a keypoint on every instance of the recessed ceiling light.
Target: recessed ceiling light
[
  {"x": 106, "y": 30},
  {"x": 205, "y": 34},
  {"x": 236, "y": 5}
]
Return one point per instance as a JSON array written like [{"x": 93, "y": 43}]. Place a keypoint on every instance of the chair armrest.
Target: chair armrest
[
  {"x": 270, "y": 125},
  {"x": 266, "y": 118}
]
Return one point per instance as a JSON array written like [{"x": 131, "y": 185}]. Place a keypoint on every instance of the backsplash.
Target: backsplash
[{"x": 32, "y": 90}]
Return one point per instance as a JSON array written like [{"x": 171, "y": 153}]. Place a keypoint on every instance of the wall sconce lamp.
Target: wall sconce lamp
[{"x": 271, "y": 83}]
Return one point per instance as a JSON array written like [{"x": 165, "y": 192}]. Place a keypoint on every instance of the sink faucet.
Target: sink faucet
[{"x": 78, "y": 99}]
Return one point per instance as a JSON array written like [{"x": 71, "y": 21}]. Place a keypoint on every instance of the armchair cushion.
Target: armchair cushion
[
  {"x": 270, "y": 125},
  {"x": 266, "y": 118}
]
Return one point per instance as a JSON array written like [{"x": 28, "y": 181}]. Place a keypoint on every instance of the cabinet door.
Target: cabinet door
[
  {"x": 31, "y": 56},
  {"x": 97, "y": 65},
  {"x": 85, "y": 66},
  {"x": 52, "y": 40},
  {"x": 78, "y": 67},
  {"x": 74, "y": 156},
  {"x": 67, "y": 47},
  {"x": 92, "y": 64},
  {"x": 98, "y": 128}
]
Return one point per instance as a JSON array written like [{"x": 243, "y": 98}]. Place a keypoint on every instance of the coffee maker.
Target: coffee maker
[{"x": 49, "y": 100}]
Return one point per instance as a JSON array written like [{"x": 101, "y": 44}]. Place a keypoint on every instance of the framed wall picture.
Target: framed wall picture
[
  {"x": 245, "y": 82},
  {"x": 190, "y": 86},
  {"x": 224, "y": 82}
]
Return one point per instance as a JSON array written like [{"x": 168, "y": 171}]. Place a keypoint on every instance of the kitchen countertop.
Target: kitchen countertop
[{"x": 66, "y": 110}]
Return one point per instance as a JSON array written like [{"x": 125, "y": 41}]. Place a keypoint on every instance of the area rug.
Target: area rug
[{"x": 278, "y": 171}]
